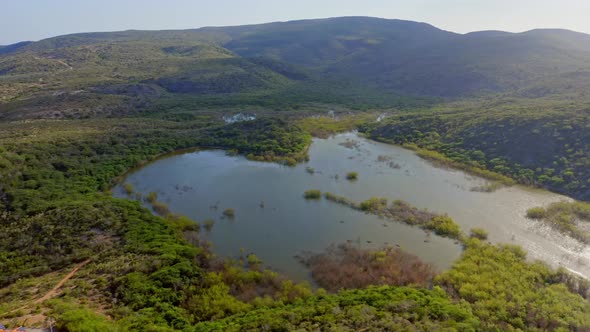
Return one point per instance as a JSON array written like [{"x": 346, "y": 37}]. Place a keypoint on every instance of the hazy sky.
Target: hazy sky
[{"x": 38, "y": 19}]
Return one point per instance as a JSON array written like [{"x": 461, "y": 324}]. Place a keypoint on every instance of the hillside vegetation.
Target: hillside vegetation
[
  {"x": 542, "y": 143},
  {"x": 354, "y": 60}
]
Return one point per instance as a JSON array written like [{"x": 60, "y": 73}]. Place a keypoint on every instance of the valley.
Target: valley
[{"x": 186, "y": 175}]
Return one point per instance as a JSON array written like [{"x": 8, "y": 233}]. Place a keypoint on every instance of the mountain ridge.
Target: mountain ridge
[
  {"x": 213, "y": 27},
  {"x": 386, "y": 56}
]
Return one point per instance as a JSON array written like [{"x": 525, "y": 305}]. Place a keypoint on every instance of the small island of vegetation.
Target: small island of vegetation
[
  {"x": 352, "y": 176},
  {"x": 229, "y": 213},
  {"x": 399, "y": 210},
  {"x": 571, "y": 218},
  {"x": 312, "y": 194}
]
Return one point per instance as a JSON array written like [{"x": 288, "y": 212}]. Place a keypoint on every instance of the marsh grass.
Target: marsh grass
[
  {"x": 398, "y": 210},
  {"x": 571, "y": 218}
]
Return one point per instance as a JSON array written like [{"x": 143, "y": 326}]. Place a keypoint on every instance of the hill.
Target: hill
[
  {"x": 375, "y": 62},
  {"x": 419, "y": 59}
]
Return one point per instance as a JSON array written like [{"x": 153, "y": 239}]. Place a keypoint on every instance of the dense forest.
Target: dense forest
[{"x": 77, "y": 112}]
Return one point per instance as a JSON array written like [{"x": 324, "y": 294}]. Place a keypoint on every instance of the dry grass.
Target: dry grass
[{"x": 346, "y": 266}]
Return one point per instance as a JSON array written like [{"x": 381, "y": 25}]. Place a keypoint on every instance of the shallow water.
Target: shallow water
[{"x": 202, "y": 184}]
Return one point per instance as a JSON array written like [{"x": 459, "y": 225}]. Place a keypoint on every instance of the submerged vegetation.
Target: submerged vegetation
[
  {"x": 352, "y": 176},
  {"x": 229, "y": 213},
  {"x": 571, "y": 218},
  {"x": 401, "y": 211},
  {"x": 373, "y": 205},
  {"x": 160, "y": 208},
  {"x": 487, "y": 187},
  {"x": 341, "y": 200},
  {"x": 208, "y": 224},
  {"x": 129, "y": 190},
  {"x": 152, "y": 197},
  {"x": 478, "y": 233},
  {"x": 312, "y": 194},
  {"x": 346, "y": 266}
]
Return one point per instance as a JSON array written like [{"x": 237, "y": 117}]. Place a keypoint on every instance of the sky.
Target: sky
[{"x": 37, "y": 19}]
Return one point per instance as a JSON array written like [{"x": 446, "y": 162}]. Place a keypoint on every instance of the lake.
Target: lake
[{"x": 202, "y": 184}]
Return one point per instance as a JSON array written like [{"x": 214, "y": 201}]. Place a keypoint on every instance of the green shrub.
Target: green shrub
[
  {"x": 507, "y": 292},
  {"x": 128, "y": 188},
  {"x": 230, "y": 213},
  {"x": 208, "y": 224},
  {"x": 536, "y": 213},
  {"x": 152, "y": 196},
  {"x": 312, "y": 194},
  {"x": 74, "y": 318},
  {"x": 341, "y": 200},
  {"x": 383, "y": 308},
  {"x": 479, "y": 233},
  {"x": 444, "y": 225},
  {"x": 253, "y": 260},
  {"x": 160, "y": 208},
  {"x": 374, "y": 204},
  {"x": 565, "y": 217},
  {"x": 352, "y": 176}
]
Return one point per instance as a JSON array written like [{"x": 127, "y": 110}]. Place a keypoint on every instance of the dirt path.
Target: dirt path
[{"x": 55, "y": 289}]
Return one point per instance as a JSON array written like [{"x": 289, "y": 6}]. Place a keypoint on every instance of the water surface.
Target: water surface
[{"x": 202, "y": 184}]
